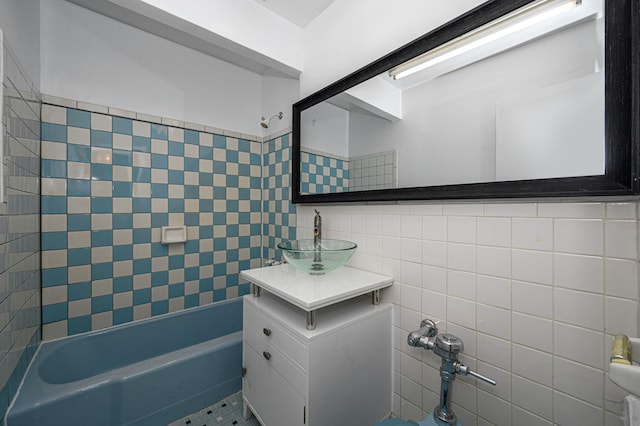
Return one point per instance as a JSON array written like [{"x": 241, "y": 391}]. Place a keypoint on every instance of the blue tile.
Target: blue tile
[
  {"x": 206, "y": 232},
  {"x": 79, "y": 222},
  {"x": 244, "y": 145},
  {"x": 101, "y": 205},
  {"x": 232, "y": 255},
  {"x": 206, "y": 206},
  {"x": 122, "y": 316},
  {"x": 176, "y": 148},
  {"x": 219, "y": 218},
  {"x": 159, "y": 190},
  {"x": 192, "y": 273},
  {"x": 122, "y": 125},
  {"x": 176, "y": 205},
  {"x": 141, "y": 144},
  {"x": 141, "y": 266},
  {"x": 255, "y": 160},
  {"x": 191, "y": 164},
  {"x": 244, "y": 289},
  {"x": 53, "y": 132},
  {"x": 122, "y": 252},
  {"x": 220, "y": 270},
  {"x": 244, "y": 170},
  {"x": 123, "y": 284},
  {"x": 192, "y": 192},
  {"x": 160, "y": 307},
  {"x": 102, "y": 172},
  {"x": 219, "y": 141},
  {"x": 101, "y": 138},
  {"x": 122, "y": 157},
  {"x": 78, "y": 153},
  {"x": 191, "y": 219},
  {"x": 79, "y": 291},
  {"x": 219, "y": 193},
  {"x": 122, "y": 221},
  {"x": 205, "y": 284},
  {"x": 176, "y": 290},
  {"x": 52, "y": 277},
  {"x": 142, "y": 174},
  {"x": 219, "y": 295},
  {"x": 79, "y": 256},
  {"x": 51, "y": 204},
  {"x": 101, "y": 271},
  {"x": 176, "y": 177},
  {"x": 205, "y": 179},
  {"x": 191, "y": 300},
  {"x": 159, "y": 161},
  {"x": 191, "y": 246},
  {"x": 191, "y": 137},
  {"x": 54, "y": 240},
  {"x": 219, "y": 244},
  {"x": 232, "y": 156},
  {"x": 142, "y": 205},
  {"x": 159, "y": 278},
  {"x": 158, "y": 131},
  {"x": 79, "y": 188},
  {"x": 79, "y": 325},
  {"x": 233, "y": 205},
  {"x": 54, "y": 168},
  {"x": 158, "y": 250},
  {"x": 122, "y": 189},
  {"x": 232, "y": 181},
  {"x": 159, "y": 219},
  {"x": 176, "y": 262},
  {"x": 101, "y": 304},
  {"x": 206, "y": 258},
  {"x": 206, "y": 153},
  {"x": 142, "y": 296},
  {"x": 141, "y": 236},
  {"x": 53, "y": 313},
  {"x": 77, "y": 118},
  {"x": 101, "y": 238},
  {"x": 219, "y": 167}
]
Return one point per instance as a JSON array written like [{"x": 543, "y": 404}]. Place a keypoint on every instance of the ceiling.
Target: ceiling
[{"x": 300, "y": 12}]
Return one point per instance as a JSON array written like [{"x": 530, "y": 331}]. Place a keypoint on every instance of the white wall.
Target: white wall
[
  {"x": 325, "y": 128},
  {"x": 90, "y": 58},
  {"x": 278, "y": 94},
  {"x": 20, "y": 22}
]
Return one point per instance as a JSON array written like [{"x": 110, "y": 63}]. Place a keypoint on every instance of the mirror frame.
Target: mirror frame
[{"x": 622, "y": 115}]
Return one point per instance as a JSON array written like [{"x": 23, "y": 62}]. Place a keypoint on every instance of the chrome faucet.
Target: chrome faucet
[{"x": 317, "y": 238}]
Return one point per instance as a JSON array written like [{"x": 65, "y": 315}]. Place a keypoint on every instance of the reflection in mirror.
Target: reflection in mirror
[{"x": 520, "y": 99}]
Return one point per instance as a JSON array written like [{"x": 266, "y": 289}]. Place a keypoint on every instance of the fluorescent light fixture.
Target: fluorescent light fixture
[{"x": 518, "y": 20}]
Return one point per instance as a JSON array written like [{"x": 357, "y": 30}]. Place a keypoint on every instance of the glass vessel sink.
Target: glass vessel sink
[{"x": 326, "y": 257}]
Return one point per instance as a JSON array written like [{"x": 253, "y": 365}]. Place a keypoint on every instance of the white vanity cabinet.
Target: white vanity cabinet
[{"x": 336, "y": 374}]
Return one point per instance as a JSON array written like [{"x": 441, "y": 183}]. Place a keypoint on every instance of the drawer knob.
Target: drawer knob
[
  {"x": 266, "y": 331},
  {"x": 266, "y": 355}
]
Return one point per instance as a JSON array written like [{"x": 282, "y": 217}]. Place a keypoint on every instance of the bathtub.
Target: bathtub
[{"x": 149, "y": 372}]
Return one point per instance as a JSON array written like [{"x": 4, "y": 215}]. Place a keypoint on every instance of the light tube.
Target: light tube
[{"x": 496, "y": 30}]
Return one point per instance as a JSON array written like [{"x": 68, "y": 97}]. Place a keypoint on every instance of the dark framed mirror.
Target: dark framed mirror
[{"x": 513, "y": 99}]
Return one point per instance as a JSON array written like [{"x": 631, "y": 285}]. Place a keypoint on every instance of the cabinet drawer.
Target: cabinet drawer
[
  {"x": 272, "y": 333},
  {"x": 272, "y": 357}
]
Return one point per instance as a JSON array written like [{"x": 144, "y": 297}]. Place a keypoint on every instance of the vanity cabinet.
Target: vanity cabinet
[{"x": 336, "y": 374}]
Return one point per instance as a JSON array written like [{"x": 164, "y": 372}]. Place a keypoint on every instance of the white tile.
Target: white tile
[
  {"x": 51, "y": 186},
  {"x": 56, "y": 294},
  {"x": 411, "y": 273},
  {"x": 141, "y": 128},
  {"x": 78, "y": 136},
  {"x": 494, "y": 261},
  {"x": 54, "y": 258},
  {"x": 79, "y": 308},
  {"x": 494, "y": 409},
  {"x": 572, "y": 210},
  {"x": 578, "y": 380},
  {"x": 532, "y": 331},
  {"x": 123, "y": 142},
  {"x": 78, "y": 170},
  {"x": 101, "y": 320},
  {"x": 494, "y": 351},
  {"x": 391, "y": 225},
  {"x": 579, "y": 272},
  {"x": 461, "y": 229},
  {"x": 101, "y": 155},
  {"x": 533, "y": 266},
  {"x": 411, "y": 250},
  {"x": 101, "y": 188},
  {"x": 411, "y": 297},
  {"x": 426, "y": 209},
  {"x": 621, "y": 278},
  {"x": 462, "y": 312},
  {"x": 624, "y": 210},
  {"x": 463, "y": 209},
  {"x": 493, "y": 291},
  {"x": 571, "y": 411},
  {"x": 466, "y": 334},
  {"x": 621, "y": 239},
  {"x": 141, "y": 159},
  {"x": 434, "y": 278},
  {"x": 579, "y": 308},
  {"x": 466, "y": 396},
  {"x": 461, "y": 284},
  {"x": 525, "y": 418},
  {"x": 461, "y": 256},
  {"x": 434, "y": 305},
  {"x": 101, "y": 122},
  {"x": 434, "y": 253},
  {"x": 532, "y": 397},
  {"x": 579, "y": 344},
  {"x": 93, "y": 107},
  {"x": 434, "y": 228},
  {"x": 54, "y": 330},
  {"x": 494, "y": 321},
  {"x": 533, "y": 234},
  {"x": 620, "y": 316},
  {"x": 494, "y": 231},
  {"x": 410, "y": 226},
  {"x": 532, "y": 299},
  {"x": 101, "y": 221},
  {"x": 579, "y": 236},
  {"x": 511, "y": 210},
  {"x": 54, "y": 114},
  {"x": 532, "y": 364},
  {"x": 78, "y": 205},
  {"x": 54, "y": 151}
]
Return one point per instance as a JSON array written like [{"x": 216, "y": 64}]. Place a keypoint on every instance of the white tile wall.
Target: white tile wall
[{"x": 535, "y": 291}]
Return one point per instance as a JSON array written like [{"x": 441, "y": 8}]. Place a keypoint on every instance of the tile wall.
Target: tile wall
[
  {"x": 110, "y": 180},
  {"x": 374, "y": 171},
  {"x": 535, "y": 290},
  {"x": 322, "y": 173},
  {"x": 19, "y": 226}
]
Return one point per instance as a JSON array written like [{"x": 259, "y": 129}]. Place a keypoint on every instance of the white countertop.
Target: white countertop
[{"x": 310, "y": 292}]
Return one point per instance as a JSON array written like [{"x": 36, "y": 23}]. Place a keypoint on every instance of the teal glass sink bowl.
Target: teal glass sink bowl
[{"x": 328, "y": 256}]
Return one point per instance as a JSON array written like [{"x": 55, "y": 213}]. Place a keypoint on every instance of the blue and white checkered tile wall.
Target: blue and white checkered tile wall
[
  {"x": 279, "y": 214},
  {"x": 323, "y": 174},
  {"x": 19, "y": 226},
  {"x": 109, "y": 184}
]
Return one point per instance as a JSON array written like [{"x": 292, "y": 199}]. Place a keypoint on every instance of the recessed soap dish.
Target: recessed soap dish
[
  {"x": 174, "y": 234},
  {"x": 628, "y": 376}
]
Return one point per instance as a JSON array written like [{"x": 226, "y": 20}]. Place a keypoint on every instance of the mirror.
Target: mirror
[{"x": 512, "y": 99}]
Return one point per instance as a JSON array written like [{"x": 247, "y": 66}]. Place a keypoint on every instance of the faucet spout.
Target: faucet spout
[{"x": 317, "y": 238}]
